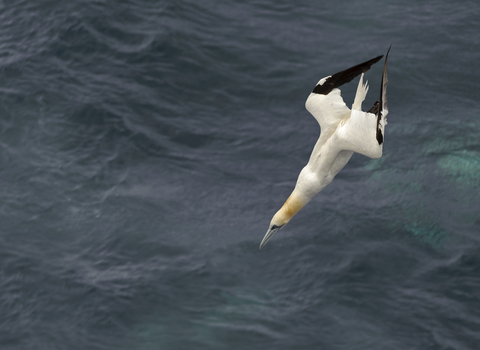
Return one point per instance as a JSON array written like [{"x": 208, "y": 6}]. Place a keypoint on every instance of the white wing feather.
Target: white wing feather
[{"x": 329, "y": 110}]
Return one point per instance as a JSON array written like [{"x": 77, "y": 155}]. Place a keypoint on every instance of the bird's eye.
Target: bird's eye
[{"x": 276, "y": 227}]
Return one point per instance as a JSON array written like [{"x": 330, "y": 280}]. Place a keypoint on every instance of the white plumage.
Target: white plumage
[{"x": 343, "y": 131}]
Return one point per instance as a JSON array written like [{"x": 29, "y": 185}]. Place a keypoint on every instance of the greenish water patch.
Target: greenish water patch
[
  {"x": 431, "y": 234},
  {"x": 464, "y": 167},
  {"x": 455, "y": 137},
  {"x": 406, "y": 187},
  {"x": 375, "y": 164},
  {"x": 446, "y": 145},
  {"x": 422, "y": 223},
  {"x": 235, "y": 308}
]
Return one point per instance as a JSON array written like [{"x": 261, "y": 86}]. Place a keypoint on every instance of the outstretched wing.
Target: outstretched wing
[
  {"x": 325, "y": 102},
  {"x": 345, "y": 76},
  {"x": 383, "y": 107}
]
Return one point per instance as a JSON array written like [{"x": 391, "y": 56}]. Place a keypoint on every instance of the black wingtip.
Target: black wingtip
[
  {"x": 374, "y": 109},
  {"x": 344, "y": 76},
  {"x": 383, "y": 98},
  {"x": 379, "y": 137}
]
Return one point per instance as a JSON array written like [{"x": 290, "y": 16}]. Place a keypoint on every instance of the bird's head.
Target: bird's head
[{"x": 283, "y": 216}]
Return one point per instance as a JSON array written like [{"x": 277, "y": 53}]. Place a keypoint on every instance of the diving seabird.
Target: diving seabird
[{"x": 342, "y": 132}]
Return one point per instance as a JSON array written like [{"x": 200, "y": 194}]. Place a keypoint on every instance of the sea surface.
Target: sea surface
[{"x": 146, "y": 145}]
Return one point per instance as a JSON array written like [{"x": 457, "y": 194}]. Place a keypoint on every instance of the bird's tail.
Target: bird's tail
[{"x": 362, "y": 90}]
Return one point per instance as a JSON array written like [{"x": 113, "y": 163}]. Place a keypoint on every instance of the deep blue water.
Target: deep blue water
[{"x": 145, "y": 146}]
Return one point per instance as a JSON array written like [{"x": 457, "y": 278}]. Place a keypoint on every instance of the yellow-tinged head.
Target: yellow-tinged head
[{"x": 293, "y": 204}]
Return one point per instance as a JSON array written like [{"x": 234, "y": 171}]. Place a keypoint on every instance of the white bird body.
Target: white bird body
[{"x": 343, "y": 132}]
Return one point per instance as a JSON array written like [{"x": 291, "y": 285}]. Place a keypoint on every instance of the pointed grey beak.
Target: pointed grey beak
[{"x": 269, "y": 235}]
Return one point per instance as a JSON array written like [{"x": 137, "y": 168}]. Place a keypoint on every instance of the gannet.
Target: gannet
[{"x": 342, "y": 132}]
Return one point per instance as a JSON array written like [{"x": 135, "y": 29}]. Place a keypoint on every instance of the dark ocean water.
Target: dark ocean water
[{"x": 145, "y": 146}]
